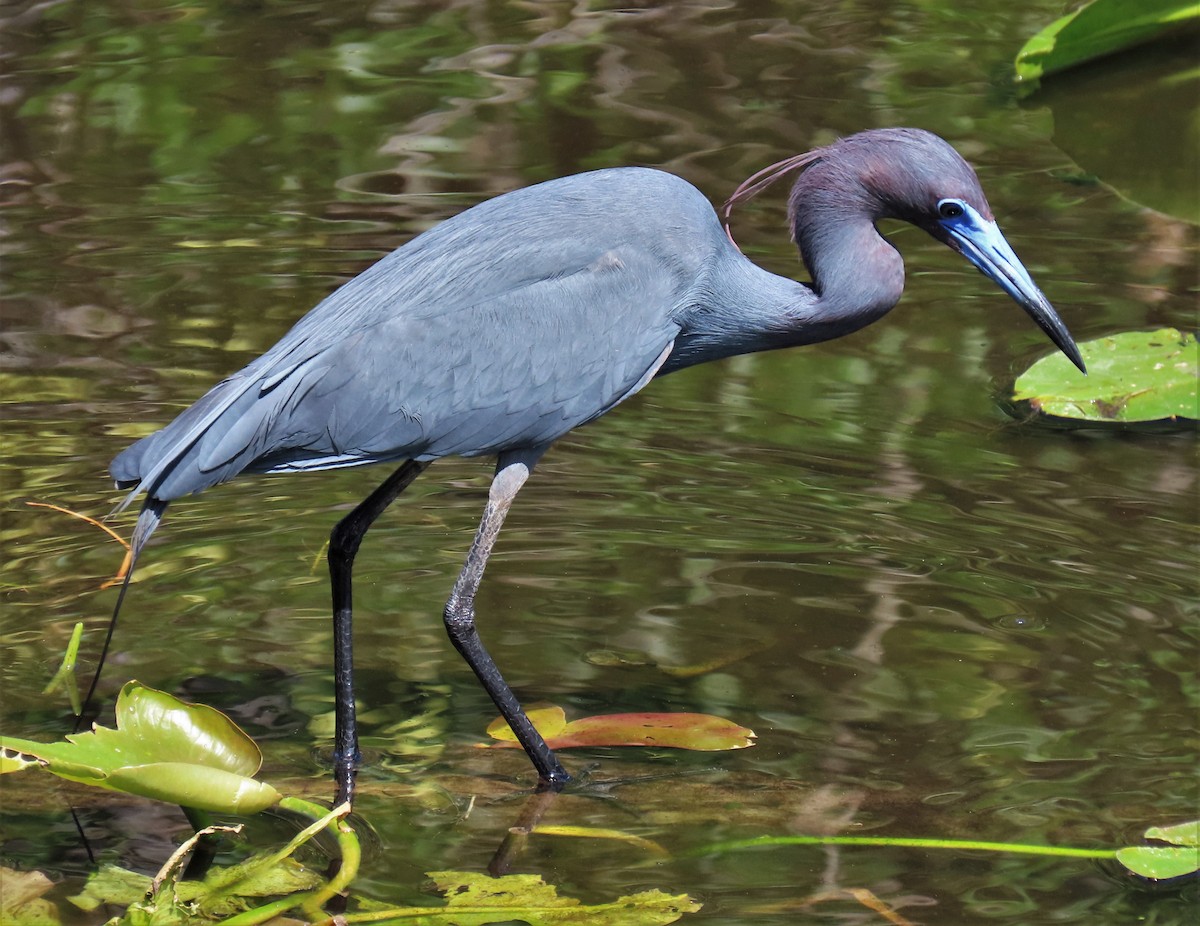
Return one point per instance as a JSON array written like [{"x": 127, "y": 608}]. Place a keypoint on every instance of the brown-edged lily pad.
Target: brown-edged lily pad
[
  {"x": 701, "y": 732},
  {"x": 1133, "y": 376}
]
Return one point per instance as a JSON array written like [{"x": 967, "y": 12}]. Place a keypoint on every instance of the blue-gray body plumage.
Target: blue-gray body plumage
[{"x": 503, "y": 327}]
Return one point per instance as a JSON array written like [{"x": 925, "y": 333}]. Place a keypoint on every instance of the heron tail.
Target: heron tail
[{"x": 149, "y": 518}]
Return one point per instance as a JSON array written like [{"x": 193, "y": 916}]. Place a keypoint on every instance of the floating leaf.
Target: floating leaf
[
  {"x": 1181, "y": 858},
  {"x": 1160, "y": 862},
  {"x": 1132, "y": 376},
  {"x": 1181, "y": 834},
  {"x": 701, "y": 732},
  {"x": 474, "y": 898},
  {"x": 1101, "y": 28},
  {"x": 21, "y": 901},
  {"x": 162, "y": 748},
  {"x": 12, "y": 760},
  {"x": 596, "y": 832},
  {"x": 548, "y": 721}
]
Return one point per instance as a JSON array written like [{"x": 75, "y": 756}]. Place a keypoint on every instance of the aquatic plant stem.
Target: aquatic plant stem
[
  {"x": 965, "y": 845},
  {"x": 311, "y": 901}
]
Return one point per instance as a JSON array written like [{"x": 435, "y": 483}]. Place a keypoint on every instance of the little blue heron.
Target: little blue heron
[{"x": 501, "y": 329}]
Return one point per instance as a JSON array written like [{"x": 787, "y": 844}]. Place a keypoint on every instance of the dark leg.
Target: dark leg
[
  {"x": 460, "y": 624},
  {"x": 343, "y": 545}
]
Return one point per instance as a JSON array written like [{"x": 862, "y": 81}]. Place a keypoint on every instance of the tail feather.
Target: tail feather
[
  {"x": 152, "y": 465},
  {"x": 149, "y": 518}
]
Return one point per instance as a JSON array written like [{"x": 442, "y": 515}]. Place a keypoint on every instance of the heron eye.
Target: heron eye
[{"x": 950, "y": 209}]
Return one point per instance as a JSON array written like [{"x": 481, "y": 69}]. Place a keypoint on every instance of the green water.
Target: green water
[{"x": 938, "y": 620}]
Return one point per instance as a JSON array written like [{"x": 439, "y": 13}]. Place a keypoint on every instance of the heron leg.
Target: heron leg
[
  {"x": 460, "y": 624},
  {"x": 344, "y": 541}
]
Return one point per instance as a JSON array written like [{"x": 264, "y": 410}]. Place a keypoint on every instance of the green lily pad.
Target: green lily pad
[
  {"x": 1160, "y": 862},
  {"x": 1100, "y": 28},
  {"x": 702, "y": 732},
  {"x": 1181, "y": 834},
  {"x": 162, "y": 748},
  {"x": 1180, "y": 858},
  {"x": 1133, "y": 376}
]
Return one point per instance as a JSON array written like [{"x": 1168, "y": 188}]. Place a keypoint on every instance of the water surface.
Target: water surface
[{"x": 940, "y": 621}]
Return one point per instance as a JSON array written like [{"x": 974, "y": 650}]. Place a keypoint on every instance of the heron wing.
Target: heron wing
[
  {"x": 503, "y": 327},
  {"x": 516, "y": 369}
]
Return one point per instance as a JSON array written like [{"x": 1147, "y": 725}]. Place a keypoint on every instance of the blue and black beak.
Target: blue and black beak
[{"x": 981, "y": 242}]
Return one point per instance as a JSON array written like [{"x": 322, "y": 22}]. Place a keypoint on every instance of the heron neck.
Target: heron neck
[
  {"x": 742, "y": 308},
  {"x": 858, "y": 276}
]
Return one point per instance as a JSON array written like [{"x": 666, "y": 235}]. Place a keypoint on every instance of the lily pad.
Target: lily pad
[
  {"x": 701, "y": 732},
  {"x": 1181, "y": 834},
  {"x": 1160, "y": 863},
  {"x": 1100, "y": 28},
  {"x": 162, "y": 748},
  {"x": 1133, "y": 376},
  {"x": 21, "y": 900},
  {"x": 1180, "y": 858}
]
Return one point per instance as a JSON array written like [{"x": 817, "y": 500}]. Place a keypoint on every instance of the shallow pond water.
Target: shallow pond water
[{"x": 939, "y": 620}]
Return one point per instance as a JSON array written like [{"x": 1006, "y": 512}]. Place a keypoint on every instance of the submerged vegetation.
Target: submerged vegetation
[{"x": 192, "y": 755}]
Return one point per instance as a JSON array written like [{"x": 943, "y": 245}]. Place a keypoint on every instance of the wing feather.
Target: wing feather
[{"x": 465, "y": 341}]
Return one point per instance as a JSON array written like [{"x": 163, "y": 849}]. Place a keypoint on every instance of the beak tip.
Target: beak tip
[{"x": 1075, "y": 357}]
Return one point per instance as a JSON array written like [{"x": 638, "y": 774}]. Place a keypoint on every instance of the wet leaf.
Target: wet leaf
[
  {"x": 222, "y": 892},
  {"x": 701, "y": 732},
  {"x": 596, "y": 832},
  {"x": 548, "y": 721},
  {"x": 162, "y": 748},
  {"x": 473, "y": 898},
  {"x": 194, "y": 786},
  {"x": 228, "y": 892},
  {"x": 1181, "y": 834},
  {"x": 12, "y": 760},
  {"x": 1181, "y": 858},
  {"x": 21, "y": 901},
  {"x": 1132, "y": 376},
  {"x": 113, "y": 885},
  {"x": 1100, "y": 28},
  {"x": 1160, "y": 862}
]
